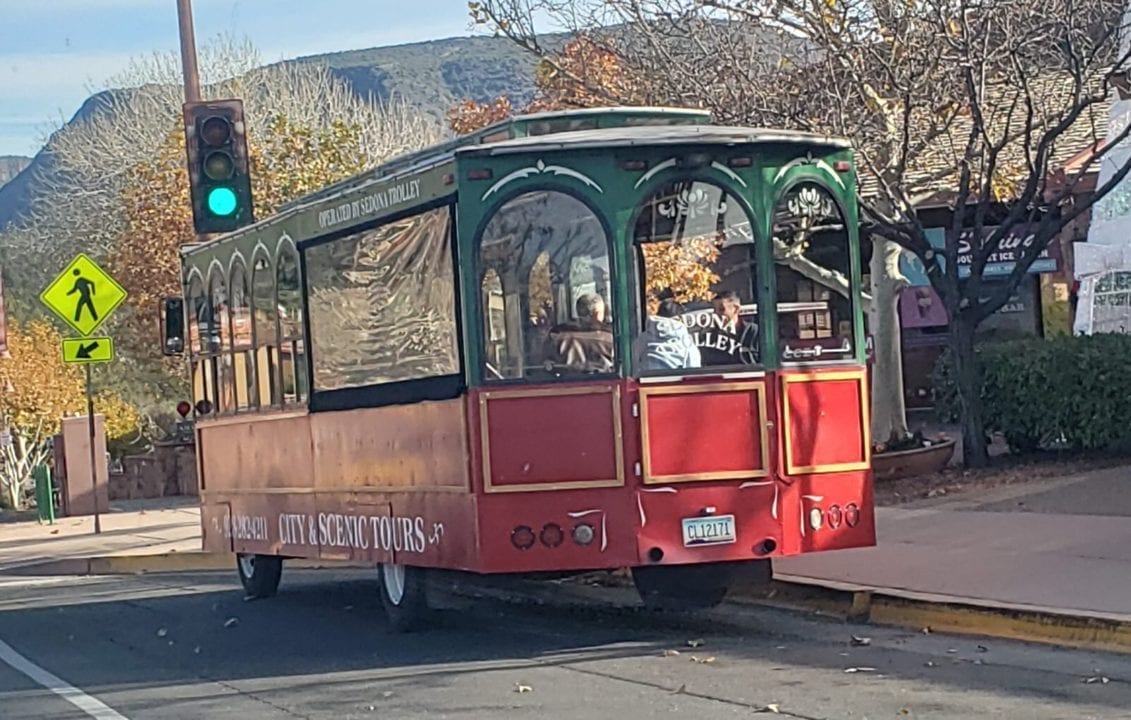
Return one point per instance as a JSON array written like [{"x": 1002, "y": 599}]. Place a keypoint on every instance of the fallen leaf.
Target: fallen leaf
[
  {"x": 927, "y": 631},
  {"x": 231, "y": 622},
  {"x": 519, "y": 688},
  {"x": 681, "y": 689},
  {"x": 695, "y": 643},
  {"x": 858, "y": 641},
  {"x": 55, "y": 531},
  {"x": 162, "y": 632},
  {"x": 904, "y": 711},
  {"x": 671, "y": 653}
]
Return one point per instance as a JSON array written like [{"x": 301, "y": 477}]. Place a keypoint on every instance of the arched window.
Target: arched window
[
  {"x": 199, "y": 342},
  {"x": 242, "y": 341},
  {"x": 699, "y": 267},
  {"x": 813, "y": 269},
  {"x": 219, "y": 344},
  {"x": 266, "y": 328},
  {"x": 292, "y": 361},
  {"x": 545, "y": 258}
]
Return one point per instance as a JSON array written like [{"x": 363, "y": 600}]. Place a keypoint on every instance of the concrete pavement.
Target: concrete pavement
[{"x": 137, "y": 528}]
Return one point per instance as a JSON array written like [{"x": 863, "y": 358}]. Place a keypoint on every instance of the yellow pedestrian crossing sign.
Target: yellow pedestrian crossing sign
[
  {"x": 88, "y": 350},
  {"x": 83, "y": 295}
]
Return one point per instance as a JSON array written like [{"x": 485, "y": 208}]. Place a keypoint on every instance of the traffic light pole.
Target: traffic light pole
[{"x": 188, "y": 51}]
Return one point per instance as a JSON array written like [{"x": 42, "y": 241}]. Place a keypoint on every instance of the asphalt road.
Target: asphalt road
[{"x": 188, "y": 647}]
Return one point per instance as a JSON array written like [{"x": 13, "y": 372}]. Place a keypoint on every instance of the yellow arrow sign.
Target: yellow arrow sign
[
  {"x": 88, "y": 350},
  {"x": 83, "y": 295}
]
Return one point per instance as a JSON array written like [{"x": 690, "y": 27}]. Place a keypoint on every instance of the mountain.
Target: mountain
[
  {"x": 432, "y": 75},
  {"x": 11, "y": 166}
]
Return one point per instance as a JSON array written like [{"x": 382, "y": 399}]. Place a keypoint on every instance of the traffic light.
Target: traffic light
[{"x": 219, "y": 171}]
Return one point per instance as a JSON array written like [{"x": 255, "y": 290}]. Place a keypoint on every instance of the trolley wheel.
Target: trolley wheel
[
  {"x": 259, "y": 574},
  {"x": 404, "y": 595},
  {"x": 682, "y": 587}
]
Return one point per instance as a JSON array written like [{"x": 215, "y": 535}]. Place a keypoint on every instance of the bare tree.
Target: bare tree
[{"x": 959, "y": 103}]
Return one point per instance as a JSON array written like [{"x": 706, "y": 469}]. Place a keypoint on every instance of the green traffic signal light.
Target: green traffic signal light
[{"x": 222, "y": 201}]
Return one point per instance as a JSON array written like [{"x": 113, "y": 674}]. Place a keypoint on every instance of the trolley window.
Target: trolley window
[
  {"x": 813, "y": 260},
  {"x": 382, "y": 304},
  {"x": 545, "y": 290},
  {"x": 699, "y": 274}
]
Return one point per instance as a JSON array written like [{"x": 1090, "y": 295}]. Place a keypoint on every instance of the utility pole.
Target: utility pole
[{"x": 188, "y": 51}]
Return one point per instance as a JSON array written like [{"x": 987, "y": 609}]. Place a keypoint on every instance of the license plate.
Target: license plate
[{"x": 713, "y": 530}]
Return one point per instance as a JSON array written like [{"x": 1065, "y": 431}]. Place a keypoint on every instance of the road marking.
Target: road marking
[{"x": 92, "y": 707}]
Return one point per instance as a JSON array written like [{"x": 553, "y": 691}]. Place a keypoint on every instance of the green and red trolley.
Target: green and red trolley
[{"x": 613, "y": 338}]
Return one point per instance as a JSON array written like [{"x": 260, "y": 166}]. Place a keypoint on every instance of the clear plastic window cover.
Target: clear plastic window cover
[
  {"x": 690, "y": 233},
  {"x": 382, "y": 304},
  {"x": 544, "y": 251},
  {"x": 697, "y": 246}
]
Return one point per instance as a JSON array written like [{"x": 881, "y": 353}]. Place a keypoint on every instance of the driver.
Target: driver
[{"x": 584, "y": 346}]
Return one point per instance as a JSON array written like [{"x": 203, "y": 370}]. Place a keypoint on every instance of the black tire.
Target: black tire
[
  {"x": 682, "y": 588},
  {"x": 404, "y": 596},
  {"x": 259, "y": 574}
]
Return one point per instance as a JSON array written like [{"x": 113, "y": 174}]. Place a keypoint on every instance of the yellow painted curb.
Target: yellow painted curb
[{"x": 1078, "y": 630}]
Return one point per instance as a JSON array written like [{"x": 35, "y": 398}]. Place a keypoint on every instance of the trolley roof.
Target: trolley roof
[{"x": 653, "y": 135}]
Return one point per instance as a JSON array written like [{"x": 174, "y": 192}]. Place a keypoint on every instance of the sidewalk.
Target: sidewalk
[
  {"x": 1061, "y": 546},
  {"x": 130, "y": 528}
]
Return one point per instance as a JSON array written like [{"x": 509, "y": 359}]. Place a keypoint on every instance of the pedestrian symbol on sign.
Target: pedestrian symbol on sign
[{"x": 85, "y": 289}]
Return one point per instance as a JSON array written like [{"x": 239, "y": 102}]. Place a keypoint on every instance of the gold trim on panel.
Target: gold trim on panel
[
  {"x": 250, "y": 417},
  {"x": 646, "y": 460},
  {"x": 366, "y": 489},
  {"x": 618, "y": 432},
  {"x": 861, "y": 377}
]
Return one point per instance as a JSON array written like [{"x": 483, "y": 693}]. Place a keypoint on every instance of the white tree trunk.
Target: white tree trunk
[{"x": 889, "y": 412}]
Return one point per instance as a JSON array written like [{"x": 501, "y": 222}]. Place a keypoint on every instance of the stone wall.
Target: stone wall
[{"x": 170, "y": 469}]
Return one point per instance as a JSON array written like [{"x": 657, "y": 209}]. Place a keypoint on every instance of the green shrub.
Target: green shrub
[{"x": 1067, "y": 392}]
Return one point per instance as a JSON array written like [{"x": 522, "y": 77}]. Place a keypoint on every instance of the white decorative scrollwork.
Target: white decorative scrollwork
[
  {"x": 541, "y": 168},
  {"x": 694, "y": 202}
]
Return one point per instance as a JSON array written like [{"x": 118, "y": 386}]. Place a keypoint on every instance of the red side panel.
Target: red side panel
[
  {"x": 825, "y": 422},
  {"x": 550, "y": 438},
  {"x": 827, "y": 512},
  {"x": 609, "y": 513},
  {"x": 756, "y": 506},
  {"x": 703, "y": 432}
]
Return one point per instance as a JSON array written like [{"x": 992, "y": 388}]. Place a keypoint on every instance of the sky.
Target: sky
[{"x": 54, "y": 53}]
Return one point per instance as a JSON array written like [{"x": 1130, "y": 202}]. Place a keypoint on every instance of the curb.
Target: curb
[
  {"x": 170, "y": 562},
  {"x": 885, "y": 607},
  {"x": 1077, "y": 629}
]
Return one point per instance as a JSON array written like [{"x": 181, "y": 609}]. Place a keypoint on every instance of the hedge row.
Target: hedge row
[{"x": 1066, "y": 392}]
